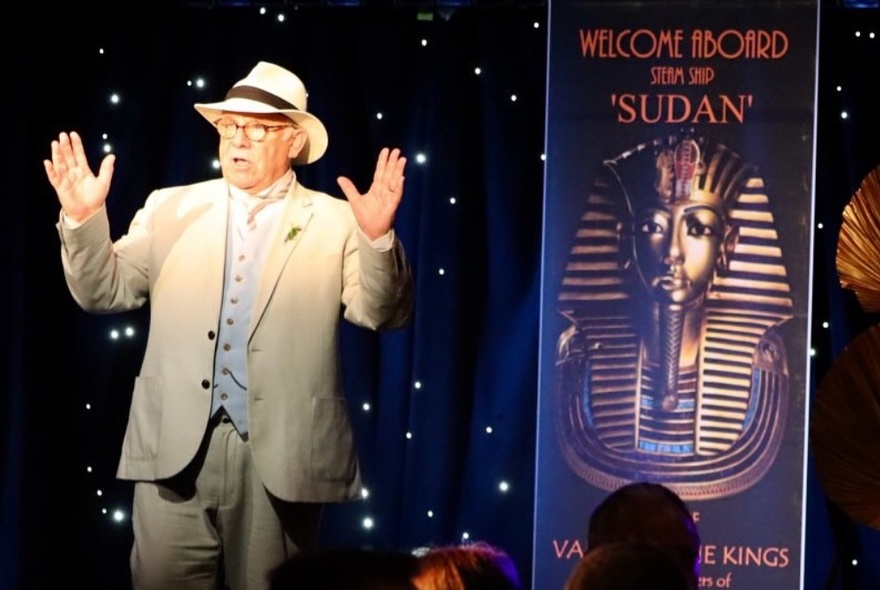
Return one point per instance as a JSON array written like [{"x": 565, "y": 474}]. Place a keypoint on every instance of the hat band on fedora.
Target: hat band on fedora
[{"x": 259, "y": 95}]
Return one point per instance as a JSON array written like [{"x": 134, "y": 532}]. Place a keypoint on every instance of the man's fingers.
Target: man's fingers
[
  {"x": 387, "y": 178},
  {"x": 106, "y": 170},
  {"x": 389, "y": 168},
  {"x": 381, "y": 165},
  {"x": 63, "y": 158},
  {"x": 56, "y": 154},
  {"x": 398, "y": 191},
  {"x": 394, "y": 180},
  {"x": 399, "y": 165},
  {"x": 347, "y": 187},
  {"x": 79, "y": 153},
  {"x": 50, "y": 173},
  {"x": 384, "y": 154}
]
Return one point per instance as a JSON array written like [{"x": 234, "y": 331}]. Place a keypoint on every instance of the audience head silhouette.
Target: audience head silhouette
[
  {"x": 629, "y": 566},
  {"x": 478, "y": 566},
  {"x": 646, "y": 512}
]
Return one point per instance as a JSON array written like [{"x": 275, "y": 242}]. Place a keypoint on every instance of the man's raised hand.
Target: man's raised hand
[
  {"x": 375, "y": 209},
  {"x": 80, "y": 192}
]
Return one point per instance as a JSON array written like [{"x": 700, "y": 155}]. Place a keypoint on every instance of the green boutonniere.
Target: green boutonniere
[{"x": 291, "y": 233}]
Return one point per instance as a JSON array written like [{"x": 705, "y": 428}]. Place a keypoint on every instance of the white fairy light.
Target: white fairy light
[
  {"x": 107, "y": 148},
  {"x": 100, "y": 493},
  {"x": 504, "y": 486},
  {"x": 368, "y": 523},
  {"x": 421, "y": 158},
  {"x": 488, "y": 430},
  {"x": 88, "y": 406},
  {"x": 379, "y": 116},
  {"x": 114, "y": 334},
  {"x": 115, "y": 98},
  {"x": 430, "y": 514},
  {"x": 452, "y": 200},
  {"x": 409, "y": 435},
  {"x": 441, "y": 272},
  {"x": 824, "y": 324},
  {"x": 118, "y": 515},
  {"x": 366, "y": 406},
  {"x": 478, "y": 70},
  {"x": 129, "y": 331},
  {"x": 215, "y": 164},
  {"x": 424, "y": 42},
  {"x": 281, "y": 17},
  {"x": 365, "y": 493},
  {"x": 417, "y": 384},
  {"x": 512, "y": 98}
]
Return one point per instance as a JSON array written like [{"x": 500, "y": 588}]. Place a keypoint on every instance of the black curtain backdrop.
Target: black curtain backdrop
[{"x": 444, "y": 410}]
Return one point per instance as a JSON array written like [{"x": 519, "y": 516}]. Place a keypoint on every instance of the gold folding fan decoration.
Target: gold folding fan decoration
[
  {"x": 845, "y": 429},
  {"x": 858, "y": 245}
]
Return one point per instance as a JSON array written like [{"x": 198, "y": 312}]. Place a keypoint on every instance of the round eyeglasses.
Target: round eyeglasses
[{"x": 254, "y": 131}]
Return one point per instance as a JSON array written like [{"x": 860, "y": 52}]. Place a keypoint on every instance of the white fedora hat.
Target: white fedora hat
[{"x": 272, "y": 89}]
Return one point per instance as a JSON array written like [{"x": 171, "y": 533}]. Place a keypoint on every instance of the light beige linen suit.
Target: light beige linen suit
[{"x": 173, "y": 257}]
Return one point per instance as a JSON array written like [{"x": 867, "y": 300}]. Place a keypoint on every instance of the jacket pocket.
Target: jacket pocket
[
  {"x": 144, "y": 419},
  {"x": 333, "y": 456}
]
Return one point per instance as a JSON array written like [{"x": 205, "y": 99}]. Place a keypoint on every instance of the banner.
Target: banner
[{"x": 676, "y": 270}]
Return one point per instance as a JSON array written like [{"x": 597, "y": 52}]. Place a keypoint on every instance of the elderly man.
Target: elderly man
[{"x": 238, "y": 431}]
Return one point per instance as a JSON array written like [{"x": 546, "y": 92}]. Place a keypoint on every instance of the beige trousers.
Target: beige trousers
[{"x": 214, "y": 525}]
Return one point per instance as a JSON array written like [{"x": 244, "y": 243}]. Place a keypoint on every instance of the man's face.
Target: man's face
[
  {"x": 676, "y": 248},
  {"x": 254, "y": 165}
]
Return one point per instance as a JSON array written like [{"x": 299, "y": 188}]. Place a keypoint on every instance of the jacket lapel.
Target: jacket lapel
[
  {"x": 208, "y": 236},
  {"x": 293, "y": 223}
]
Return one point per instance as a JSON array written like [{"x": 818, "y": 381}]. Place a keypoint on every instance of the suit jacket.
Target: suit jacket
[{"x": 173, "y": 256}]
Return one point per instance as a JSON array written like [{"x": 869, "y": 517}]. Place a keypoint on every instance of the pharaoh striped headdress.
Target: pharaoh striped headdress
[{"x": 738, "y": 410}]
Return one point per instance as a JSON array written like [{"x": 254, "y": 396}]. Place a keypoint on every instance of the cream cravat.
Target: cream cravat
[{"x": 245, "y": 207}]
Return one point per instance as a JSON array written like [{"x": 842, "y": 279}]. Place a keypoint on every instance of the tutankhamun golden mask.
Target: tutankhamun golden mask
[{"x": 672, "y": 368}]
